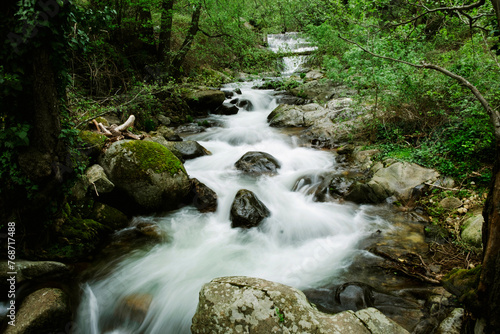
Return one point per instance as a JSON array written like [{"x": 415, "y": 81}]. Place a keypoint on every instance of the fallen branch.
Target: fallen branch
[{"x": 128, "y": 123}]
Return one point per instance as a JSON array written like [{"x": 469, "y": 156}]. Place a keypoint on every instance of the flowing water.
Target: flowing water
[
  {"x": 303, "y": 243},
  {"x": 291, "y": 42}
]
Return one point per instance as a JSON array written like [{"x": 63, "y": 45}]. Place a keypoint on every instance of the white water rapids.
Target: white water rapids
[{"x": 303, "y": 243}]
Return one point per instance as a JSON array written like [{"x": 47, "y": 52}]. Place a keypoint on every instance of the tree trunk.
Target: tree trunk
[
  {"x": 489, "y": 285},
  {"x": 496, "y": 6},
  {"x": 165, "y": 46},
  {"x": 179, "y": 57}
]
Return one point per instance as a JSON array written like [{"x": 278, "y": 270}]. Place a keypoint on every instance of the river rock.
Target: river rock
[
  {"x": 324, "y": 186},
  {"x": 167, "y": 133},
  {"x": 34, "y": 271},
  {"x": 247, "y": 210},
  {"x": 314, "y": 75},
  {"x": 318, "y": 90},
  {"x": 109, "y": 216},
  {"x": 188, "y": 149},
  {"x": 354, "y": 296},
  {"x": 203, "y": 198},
  {"x": 226, "y": 109},
  {"x": 257, "y": 163},
  {"x": 452, "y": 324},
  {"x": 98, "y": 179},
  {"x": 472, "y": 232},
  {"x": 44, "y": 311},
  {"x": 397, "y": 179},
  {"x": 203, "y": 102},
  {"x": 286, "y": 115},
  {"x": 253, "y": 305},
  {"x": 450, "y": 203},
  {"x": 148, "y": 174},
  {"x": 164, "y": 120}
]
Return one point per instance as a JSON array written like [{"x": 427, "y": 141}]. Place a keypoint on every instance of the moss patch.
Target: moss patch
[
  {"x": 155, "y": 157},
  {"x": 109, "y": 216},
  {"x": 93, "y": 139},
  {"x": 463, "y": 283},
  {"x": 77, "y": 239}
]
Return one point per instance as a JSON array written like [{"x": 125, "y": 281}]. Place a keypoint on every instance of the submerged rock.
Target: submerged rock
[
  {"x": 257, "y": 163},
  {"x": 133, "y": 308},
  {"x": 253, "y": 305},
  {"x": 226, "y": 109},
  {"x": 188, "y": 149},
  {"x": 150, "y": 176},
  {"x": 247, "y": 210},
  {"x": 354, "y": 296}
]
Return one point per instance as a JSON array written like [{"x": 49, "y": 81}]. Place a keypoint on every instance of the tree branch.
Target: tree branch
[
  {"x": 494, "y": 114},
  {"x": 440, "y": 9}
]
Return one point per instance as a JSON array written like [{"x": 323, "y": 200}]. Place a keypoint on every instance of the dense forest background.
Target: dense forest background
[{"x": 64, "y": 63}]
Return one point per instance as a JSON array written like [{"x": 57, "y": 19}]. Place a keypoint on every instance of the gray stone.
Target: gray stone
[
  {"x": 97, "y": 177},
  {"x": 314, "y": 75},
  {"x": 378, "y": 323},
  {"x": 318, "y": 90},
  {"x": 148, "y": 174},
  {"x": 188, "y": 149},
  {"x": 453, "y": 323},
  {"x": 253, "y": 305},
  {"x": 44, "y": 311},
  {"x": 286, "y": 116},
  {"x": 34, "y": 271},
  {"x": 203, "y": 198},
  {"x": 164, "y": 120},
  {"x": 472, "y": 232},
  {"x": 397, "y": 179},
  {"x": 450, "y": 203}
]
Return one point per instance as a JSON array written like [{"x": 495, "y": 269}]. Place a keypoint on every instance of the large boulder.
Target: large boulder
[
  {"x": 286, "y": 116},
  {"x": 257, "y": 163},
  {"x": 253, "y": 305},
  {"x": 397, "y": 179},
  {"x": 44, "y": 311},
  {"x": 247, "y": 210},
  {"x": 203, "y": 102},
  {"x": 150, "y": 176}
]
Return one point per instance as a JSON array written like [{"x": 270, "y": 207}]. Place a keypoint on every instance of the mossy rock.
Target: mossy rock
[
  {"x": 93, "y": 139},
  {"x": 463, "y": 283},
  {"x": 93, "y": 143},
  {"x": 147, "y": 177},
  {"x": 109, "y": 216},
  {"x": 77, "y": 239}
]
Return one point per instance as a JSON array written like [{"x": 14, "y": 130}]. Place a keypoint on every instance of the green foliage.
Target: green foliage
[
  {"x": 11, "y": 178},
  {"x": 280, "y": 314}
]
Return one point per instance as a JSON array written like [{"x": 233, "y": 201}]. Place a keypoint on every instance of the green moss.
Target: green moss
[
  {"x": 463, "y": 283},
  {"x": 93, "y": 139},
  {"x": 102, "y": 120},
  {"x": 109, "y": 216},
  {"x": 77, "y": 239},
  {"x": 155, "y": 157}
]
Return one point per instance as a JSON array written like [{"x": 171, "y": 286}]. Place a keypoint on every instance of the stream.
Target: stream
[{"x": 304, "y": 244}]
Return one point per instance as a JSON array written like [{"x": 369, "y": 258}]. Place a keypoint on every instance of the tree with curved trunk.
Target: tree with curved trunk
[{"x": 488, "y": 291}]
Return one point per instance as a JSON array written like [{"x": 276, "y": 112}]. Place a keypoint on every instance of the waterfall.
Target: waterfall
[
  {"x": 303, "y": 243},
  {"x": 291, "y": 42}
]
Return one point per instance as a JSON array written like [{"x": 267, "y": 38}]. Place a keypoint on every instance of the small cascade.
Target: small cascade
[{"x": 291, "y": 42}]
